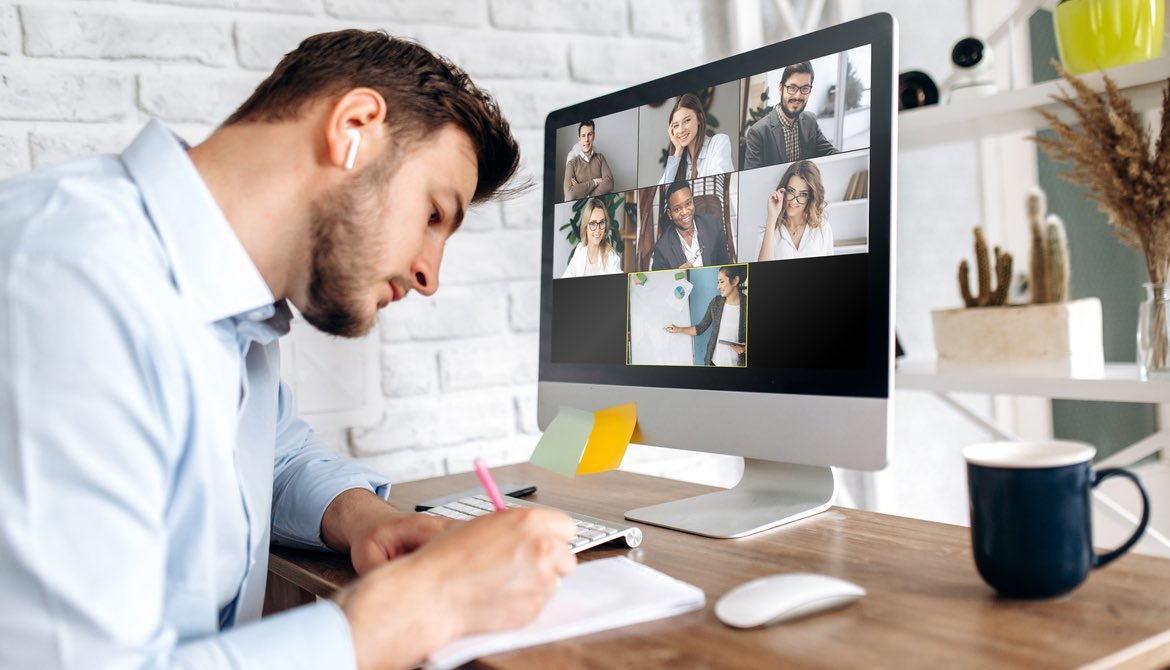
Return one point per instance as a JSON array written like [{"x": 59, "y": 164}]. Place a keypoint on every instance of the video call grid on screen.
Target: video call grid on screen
[{"x": 627, "y": 301}]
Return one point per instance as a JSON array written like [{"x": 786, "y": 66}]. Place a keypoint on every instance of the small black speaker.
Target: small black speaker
[{"x": 916, "y": 89}]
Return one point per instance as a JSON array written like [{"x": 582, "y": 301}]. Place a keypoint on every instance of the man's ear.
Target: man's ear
[{"x": 361, "y": 110}]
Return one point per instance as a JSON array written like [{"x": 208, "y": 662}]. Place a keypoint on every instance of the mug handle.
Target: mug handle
[{"x": 1101, "y": 560}]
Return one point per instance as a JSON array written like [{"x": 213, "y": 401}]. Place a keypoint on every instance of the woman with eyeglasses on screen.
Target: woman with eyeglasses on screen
[
  {"x": 796, "y": 225},
  {"x": 692, "y": 154},
  {"x": 595, "y": 255}
]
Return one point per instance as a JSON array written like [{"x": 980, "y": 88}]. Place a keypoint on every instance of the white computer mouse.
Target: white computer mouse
[{"x": 777, "y": 598}]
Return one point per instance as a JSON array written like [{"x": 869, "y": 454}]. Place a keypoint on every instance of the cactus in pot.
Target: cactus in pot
[
  {"x": 1049, "y": 262},
  {"x": 987, "y": 296}
]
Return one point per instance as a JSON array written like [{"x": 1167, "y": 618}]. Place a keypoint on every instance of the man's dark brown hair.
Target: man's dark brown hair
[
  {"x": 803, "y": 67},
  {"x": 423, "y": 93}
]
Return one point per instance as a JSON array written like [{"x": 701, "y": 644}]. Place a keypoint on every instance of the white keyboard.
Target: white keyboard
[{"x": 591, "y": 532}]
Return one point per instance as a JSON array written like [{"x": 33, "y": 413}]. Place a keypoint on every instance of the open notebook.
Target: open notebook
[{"x": 598, "y": 595}]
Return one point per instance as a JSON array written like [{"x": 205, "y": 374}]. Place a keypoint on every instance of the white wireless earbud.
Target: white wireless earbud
[{"x": 355, "y": 139}]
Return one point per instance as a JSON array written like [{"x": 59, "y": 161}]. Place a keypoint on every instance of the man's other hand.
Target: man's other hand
[{"x": 373, "y": 532}]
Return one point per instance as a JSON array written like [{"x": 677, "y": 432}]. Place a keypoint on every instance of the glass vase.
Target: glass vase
[{"x": 1153, "y": 332}]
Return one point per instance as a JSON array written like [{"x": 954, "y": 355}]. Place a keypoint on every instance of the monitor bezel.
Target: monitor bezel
[{"x": 874, "y": 380}]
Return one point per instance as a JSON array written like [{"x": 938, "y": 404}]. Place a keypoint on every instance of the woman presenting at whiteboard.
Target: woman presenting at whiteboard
[
  {"x": 728, "y": 311},
  {"x": 595, "y": 255},
  {"x": 692, "y": 154}
]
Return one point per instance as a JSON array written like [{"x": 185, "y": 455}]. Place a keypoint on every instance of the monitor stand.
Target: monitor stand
[{"x": 768, "y": 495}]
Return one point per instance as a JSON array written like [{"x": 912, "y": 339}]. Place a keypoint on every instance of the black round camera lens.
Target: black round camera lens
[{"x": 968, "y": 52}]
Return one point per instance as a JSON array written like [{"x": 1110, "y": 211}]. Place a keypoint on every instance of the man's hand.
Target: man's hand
[
  {"x": 491, "y": 573},
  {"x": 373, "y": 532}
]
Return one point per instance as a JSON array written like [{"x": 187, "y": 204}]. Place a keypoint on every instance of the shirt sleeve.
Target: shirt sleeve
[
  {"x": 754, "y": 157},
  {"x": 582, "y": 189},
  {"x": 84, "y": 463},
  {"x": 307, "y": 476},
  {"x": 823, "y": 146},
  {"x": 705, "y": 323},
  {"x": 271, "y": 642},
  {"x": 613, "y": 263},
  {"x": 91, "y": 439},
  {"x": 719, "y": 156},
  {"x": 658, "y": 258},
  {"x": 671, "y": 168},
  {"x": 722, "y": 255},
  {"x": 606, "y": 185}
]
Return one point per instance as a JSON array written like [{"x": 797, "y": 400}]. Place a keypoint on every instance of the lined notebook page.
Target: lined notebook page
[{"x": 598, "y": 595}]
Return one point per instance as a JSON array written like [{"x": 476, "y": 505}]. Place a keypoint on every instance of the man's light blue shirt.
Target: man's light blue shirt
[{"x": 148, "y": 449}]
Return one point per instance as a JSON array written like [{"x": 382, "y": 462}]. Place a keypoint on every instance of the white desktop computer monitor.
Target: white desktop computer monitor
[{"x": 718, "y": 248}]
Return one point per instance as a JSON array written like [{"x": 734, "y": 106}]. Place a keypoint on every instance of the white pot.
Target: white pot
[{"x": 1054, "y": 338}]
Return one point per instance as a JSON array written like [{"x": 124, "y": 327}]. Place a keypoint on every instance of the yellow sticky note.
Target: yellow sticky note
[{"x": 612, "y": 429}]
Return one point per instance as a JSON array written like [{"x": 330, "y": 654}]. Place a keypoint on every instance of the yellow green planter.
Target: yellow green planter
[{"x": 1098, "y": 34}]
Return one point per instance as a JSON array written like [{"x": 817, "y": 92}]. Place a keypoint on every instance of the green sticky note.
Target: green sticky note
[
  {"x": 563, "y": 442},
  {"x": 680, "y": 275}
]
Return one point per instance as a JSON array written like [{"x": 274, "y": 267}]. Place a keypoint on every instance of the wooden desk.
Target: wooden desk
[{"x": 926, "y": 607}]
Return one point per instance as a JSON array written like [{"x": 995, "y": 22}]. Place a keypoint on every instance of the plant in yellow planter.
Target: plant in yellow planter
[{"x": 1099, "y": 34}]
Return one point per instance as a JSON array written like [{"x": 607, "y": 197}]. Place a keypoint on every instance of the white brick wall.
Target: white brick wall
[
  {"x": 9, "y": 30},
  {"x": 80, "y": 77}
]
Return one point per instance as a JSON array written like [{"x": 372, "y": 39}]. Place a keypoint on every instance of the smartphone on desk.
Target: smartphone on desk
[{"x": 506, "y": 488}]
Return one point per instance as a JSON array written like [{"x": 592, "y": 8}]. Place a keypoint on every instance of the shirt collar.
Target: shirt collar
[
  {"x": 787, "y": 122},
  {"x": 693, "y": 246},
  {"x": 212, "y": 271}
]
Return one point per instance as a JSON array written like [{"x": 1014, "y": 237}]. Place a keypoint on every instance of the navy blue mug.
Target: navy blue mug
[{"x": 1030, "y": 515}]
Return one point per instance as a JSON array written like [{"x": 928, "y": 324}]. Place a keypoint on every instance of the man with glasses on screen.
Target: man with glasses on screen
[{"x": 791, "y": 133}]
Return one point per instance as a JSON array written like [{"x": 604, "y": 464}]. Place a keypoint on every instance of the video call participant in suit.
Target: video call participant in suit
[
  {"x": 796, "y": 225},
  {"x": 788, "y": 132},
  {"x": 587, "y": 173},
  {"x": 728, "y": 311},
  {"x": 595, "y": 254},
  {"x": 692, "y": 154},
  {"x": 694, "y": 239}
]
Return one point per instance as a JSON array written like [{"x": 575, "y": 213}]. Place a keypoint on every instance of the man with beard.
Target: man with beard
[
  {"x": 694, "y": 239},
  {"x": 790, "y": 134},
  {"x": 148, "y": 450}
]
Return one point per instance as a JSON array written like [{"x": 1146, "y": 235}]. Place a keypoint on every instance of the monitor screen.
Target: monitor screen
[
  {"x": 770, "y": 169},
  {"x": 718, "y": 248}
]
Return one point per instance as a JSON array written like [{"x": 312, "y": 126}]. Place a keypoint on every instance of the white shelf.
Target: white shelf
[
  {"x": 1015, "y": 111},
  {"x": 1118, "y": 383},
  {"x": 863, "y": 203}
]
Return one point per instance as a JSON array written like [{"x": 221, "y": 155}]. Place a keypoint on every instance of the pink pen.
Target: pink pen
[{"x": 489, "y": 485}]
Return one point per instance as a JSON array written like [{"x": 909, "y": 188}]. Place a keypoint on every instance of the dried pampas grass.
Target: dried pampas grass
[{"x": 1113, "y": 156}]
